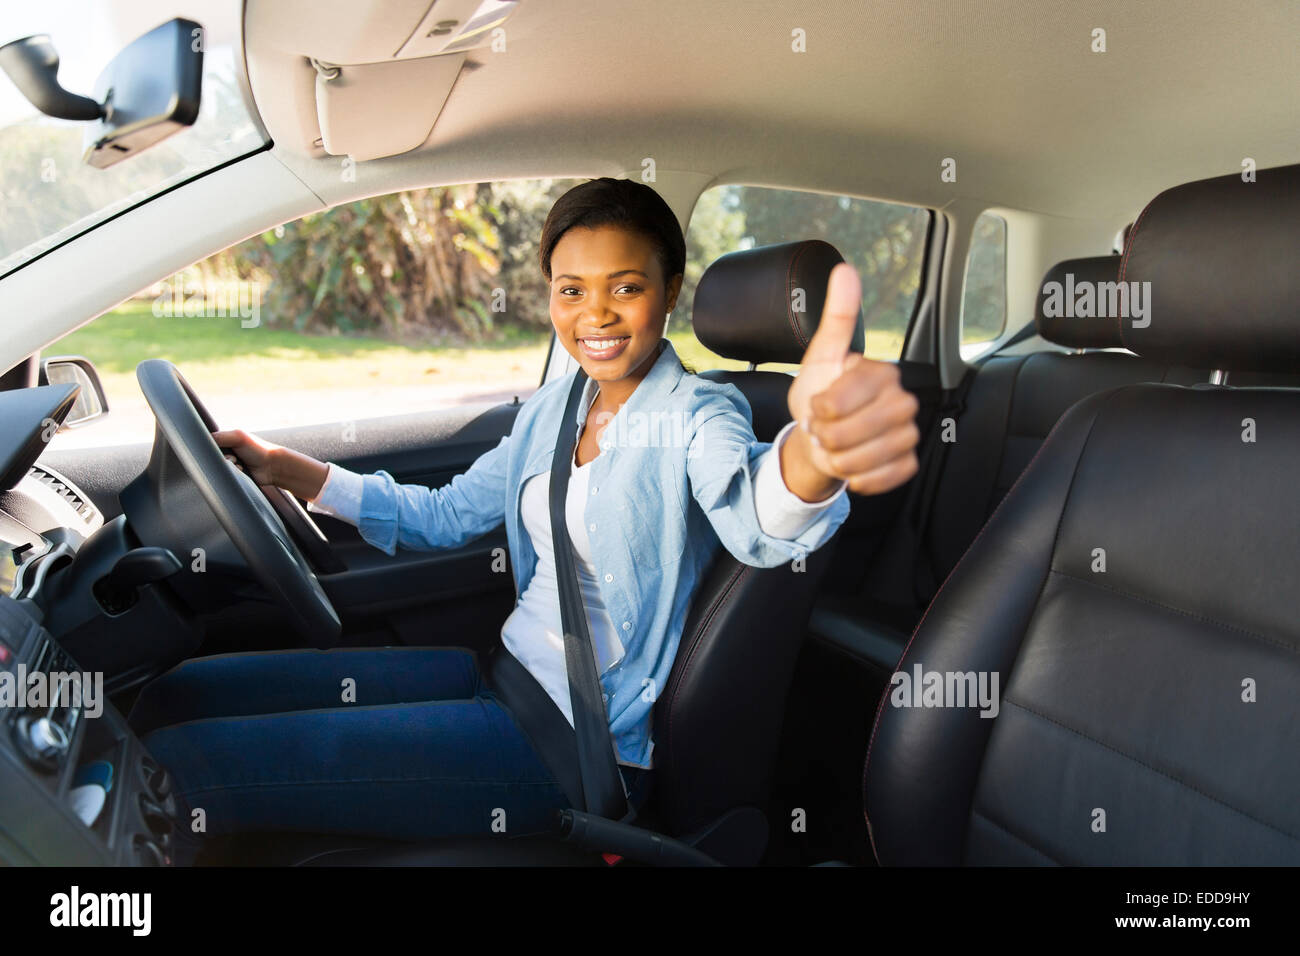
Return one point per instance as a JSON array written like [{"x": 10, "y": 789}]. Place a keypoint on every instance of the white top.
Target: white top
[{"x": 533, "y": 632}]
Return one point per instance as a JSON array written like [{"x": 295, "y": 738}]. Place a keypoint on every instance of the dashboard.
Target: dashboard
[
  {"x": 76, "y": 784},
  {"x": 8, "y": 565},
  {"x": 40, "y": 510}
]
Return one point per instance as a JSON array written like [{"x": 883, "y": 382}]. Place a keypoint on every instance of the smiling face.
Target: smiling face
[{"x": 610, "y": 301}]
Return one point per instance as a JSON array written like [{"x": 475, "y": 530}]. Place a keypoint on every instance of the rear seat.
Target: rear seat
[
  {"x": 1012, "y": 404},
  {"x": 1015, "y": 401}
]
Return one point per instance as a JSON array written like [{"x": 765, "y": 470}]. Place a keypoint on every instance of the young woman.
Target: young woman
[{"x": 407, "y": 742}]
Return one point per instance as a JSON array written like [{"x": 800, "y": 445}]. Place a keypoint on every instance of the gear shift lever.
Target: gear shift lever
[{"x": 117, "y": 590}]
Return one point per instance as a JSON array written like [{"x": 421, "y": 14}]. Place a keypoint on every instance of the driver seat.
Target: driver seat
[
  {"x": 1134, "y": 594},
  {"x": 717, "y": 724}
]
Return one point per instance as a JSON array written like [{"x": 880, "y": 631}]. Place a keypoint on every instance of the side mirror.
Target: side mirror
[{"x": 91, "y": 402}]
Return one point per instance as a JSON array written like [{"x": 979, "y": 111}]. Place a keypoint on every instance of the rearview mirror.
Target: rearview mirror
[
  {"x": 148, "y": 92},
  {"x": 91, "y": 402}
]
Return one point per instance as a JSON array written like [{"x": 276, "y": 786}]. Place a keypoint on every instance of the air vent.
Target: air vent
[{"x": 82, "y": 507}]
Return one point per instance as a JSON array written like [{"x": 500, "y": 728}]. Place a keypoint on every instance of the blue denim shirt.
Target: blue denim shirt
[{"x": 675, "y": 479}]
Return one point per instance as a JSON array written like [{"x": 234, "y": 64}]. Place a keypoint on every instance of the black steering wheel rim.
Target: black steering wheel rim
[{"x": 239, "y": 507}]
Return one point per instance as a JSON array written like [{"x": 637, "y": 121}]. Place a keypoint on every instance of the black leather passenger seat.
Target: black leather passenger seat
[
  {"x": 1147, "y": 710},
  {"x": 1012, "y": 405},
  {"x": 1016, "y": 400}
]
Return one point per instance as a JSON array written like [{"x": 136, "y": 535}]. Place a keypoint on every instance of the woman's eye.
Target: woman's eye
[
  {"x": 567, "y": 289},
  {"x": 630, "y": 289}
]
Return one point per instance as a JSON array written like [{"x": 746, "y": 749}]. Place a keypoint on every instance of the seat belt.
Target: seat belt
[
  {"x": 901, "y": 573},
  {"x": 923, "y": 582},
  {"x": 926, "y": 582},
  {"x": 602, "y": 785}
]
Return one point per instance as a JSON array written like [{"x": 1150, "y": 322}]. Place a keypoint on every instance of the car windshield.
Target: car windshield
[{"x": 48, "y": 195}]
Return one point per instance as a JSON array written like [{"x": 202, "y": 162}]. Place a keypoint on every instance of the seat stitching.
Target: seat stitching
[
  {"x": 1123, "y": 263},
  {"x": 1177, "y": 610},
  {"x": 1038, "y": 597},
  {"x": 1016, "y": 836},
  {"x": 697, "y": 642},
  {"x": 919, "y": 624},
  {"x": 789, "y": 298},
  {"x": 1155, "y": 770}
]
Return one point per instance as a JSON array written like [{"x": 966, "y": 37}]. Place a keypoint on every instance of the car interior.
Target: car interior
[{"x": 1104, "y": 519}]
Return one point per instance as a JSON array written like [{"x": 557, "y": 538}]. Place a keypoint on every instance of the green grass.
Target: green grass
[{"x": 218, "y": 355}]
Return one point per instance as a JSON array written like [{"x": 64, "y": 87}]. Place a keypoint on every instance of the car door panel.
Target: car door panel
[{"x": 386, "y": 598}]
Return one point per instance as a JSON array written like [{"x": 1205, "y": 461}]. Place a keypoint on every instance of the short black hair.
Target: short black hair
[{"x": 617, "y": 202}]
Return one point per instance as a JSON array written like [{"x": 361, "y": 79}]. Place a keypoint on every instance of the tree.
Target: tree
[
  {"x": 883, "y": 241},
  {"x": 524, "y": 205},
  {"x": 415, "y": 262},
  {"x": 717, "y": 227}
]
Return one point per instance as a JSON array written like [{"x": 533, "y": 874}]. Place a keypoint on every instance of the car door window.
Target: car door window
[
  {"x": 409, "y": 302},
  {"x": 885, "y": 242},
  {"x": 984, "y": 292}
]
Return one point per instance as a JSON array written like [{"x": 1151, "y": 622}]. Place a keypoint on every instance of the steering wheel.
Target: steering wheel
[{"x": 240, "y": 506}]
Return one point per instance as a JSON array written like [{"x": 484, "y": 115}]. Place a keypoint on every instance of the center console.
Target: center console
[{"x": 77, "y": 786}]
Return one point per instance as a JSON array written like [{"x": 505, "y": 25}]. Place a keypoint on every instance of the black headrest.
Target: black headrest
[
  {"x": 1077, "y": 303},
  {"x": 748, "y": 304},
  {"x": 1218, "y": 257}
]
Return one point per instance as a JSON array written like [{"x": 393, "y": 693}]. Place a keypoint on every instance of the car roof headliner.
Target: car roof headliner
[{"x": 885, "y": 92}]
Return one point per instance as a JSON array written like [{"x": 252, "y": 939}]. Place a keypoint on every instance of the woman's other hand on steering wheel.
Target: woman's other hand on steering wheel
[
  {"x": 270, "y": 464},
  {"x": 256, "y": 454}
]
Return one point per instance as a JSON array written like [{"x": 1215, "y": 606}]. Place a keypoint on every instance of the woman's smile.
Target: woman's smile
[{"x": 603, "y": 348}]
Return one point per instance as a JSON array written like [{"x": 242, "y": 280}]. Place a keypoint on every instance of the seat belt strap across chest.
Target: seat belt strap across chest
[{"x": 602, "y": 785}]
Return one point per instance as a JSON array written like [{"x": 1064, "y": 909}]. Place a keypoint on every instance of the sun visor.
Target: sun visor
[
  {"x": 371, "y": 110},
  {"x": 384, "y": 68}
]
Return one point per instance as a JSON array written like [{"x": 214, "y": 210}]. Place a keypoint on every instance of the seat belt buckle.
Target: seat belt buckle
[{"x": 630, "y": 817}]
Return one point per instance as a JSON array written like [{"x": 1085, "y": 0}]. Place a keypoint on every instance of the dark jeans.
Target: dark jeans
[{"x": 421, "y": 748}]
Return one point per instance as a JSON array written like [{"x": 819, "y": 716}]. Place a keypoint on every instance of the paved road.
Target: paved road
[{"x": 130, "y": 420}]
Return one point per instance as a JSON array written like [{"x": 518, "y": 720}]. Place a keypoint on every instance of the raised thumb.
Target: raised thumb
[{"x": 834, "y": 336}]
